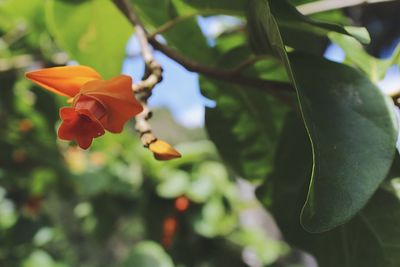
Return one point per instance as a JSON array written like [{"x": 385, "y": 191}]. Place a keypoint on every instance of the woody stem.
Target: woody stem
[{"x": 152, "y": 76}]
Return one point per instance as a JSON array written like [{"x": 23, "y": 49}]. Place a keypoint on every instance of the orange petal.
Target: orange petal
[
  {"x": 65, "y": 81},
  {"x": 163, "y": 151},
  {"x": 117, "y": 97},
  {"x": 92, "y": 105},
  {"x": 80, "y": 126}
]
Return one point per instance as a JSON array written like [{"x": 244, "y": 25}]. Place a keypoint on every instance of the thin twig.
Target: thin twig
[
  {"x": 171, "y": 23},
  {"x": 203, "y": 12},
  {"x": 247, "y": 63},
  {"x": 328, "y": 5},
  {"x": 152, "y": 76},
  {"x": 220, "y": 74}
]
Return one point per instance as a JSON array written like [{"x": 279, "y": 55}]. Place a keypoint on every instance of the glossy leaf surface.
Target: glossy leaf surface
[
  {"x": 344, "y": 113},
  {"x": 369, "y": 239}
]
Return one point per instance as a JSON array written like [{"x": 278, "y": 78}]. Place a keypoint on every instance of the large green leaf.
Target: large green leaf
[
  {"x": 351, "y": 126},
  {"x": 353, "y": 132},
  {"x": 93, "y": 32},
  {"x": 369, "y": 239}
]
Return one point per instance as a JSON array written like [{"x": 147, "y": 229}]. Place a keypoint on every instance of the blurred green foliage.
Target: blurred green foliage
[{"x": 61, "y": 206}]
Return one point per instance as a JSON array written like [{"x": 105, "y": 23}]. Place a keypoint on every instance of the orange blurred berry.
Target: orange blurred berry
[
  {"x": 170, "y": 225},
  {"x": 182, "y": 203}
]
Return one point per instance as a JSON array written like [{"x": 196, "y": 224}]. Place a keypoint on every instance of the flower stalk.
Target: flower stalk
[{"x": 143, "y": 89}]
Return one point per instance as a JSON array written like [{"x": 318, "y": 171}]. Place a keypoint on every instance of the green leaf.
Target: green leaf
[
  {"x": 24, "y": 27},
  {"x": 244, "y": 127},
  {"x": 26, "y": 14},
  {"x": 245, "y": 123},
  {"x": 215, "y": 219},
  {"x": 356, "y": 56},
  {"x": 297, "y": 31},
  {"x": 41, "y": 258},
  {"x": 369, "y": 239},
  {"x": 176, "y": 36},
  {"x": 93, "y": 32},
  {"x": 284, "y": 193},
  {"x": 148, "y": 254},
  {"x": 201, "y": 189},
  {"x": 351, "y": 126},
  {"x": 344, "y": 115},
  {"x": 209, "y": 178},
  {"x": 266, "y": 249},
  {"x": 174, "y": 184},
  {"x": 292, "y": 21},
  {"x": 359, "y": 33}
]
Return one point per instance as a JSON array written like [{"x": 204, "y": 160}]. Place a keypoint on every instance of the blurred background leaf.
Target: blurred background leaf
[{"x": 84, "y": 30}]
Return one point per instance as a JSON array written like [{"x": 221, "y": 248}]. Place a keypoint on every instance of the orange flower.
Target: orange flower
[{"x": 97, "y": 104}]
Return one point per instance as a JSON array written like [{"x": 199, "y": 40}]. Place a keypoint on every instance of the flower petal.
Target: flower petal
[
  {"x": 163, "y": 151},
  {"x": 80, "y": 126},
  {"x": 117, "y": 97},
  {"x": 65, "y": 81}
]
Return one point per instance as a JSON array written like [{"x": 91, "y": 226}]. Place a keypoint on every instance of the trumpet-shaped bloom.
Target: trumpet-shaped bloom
[{"x": 97, "y": 104}]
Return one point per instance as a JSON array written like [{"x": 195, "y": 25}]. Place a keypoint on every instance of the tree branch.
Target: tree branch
[
  {"x": 193, "y": 66},
  {"x": 328, "y": 5},
  {"x": 220, "y": 74}
]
